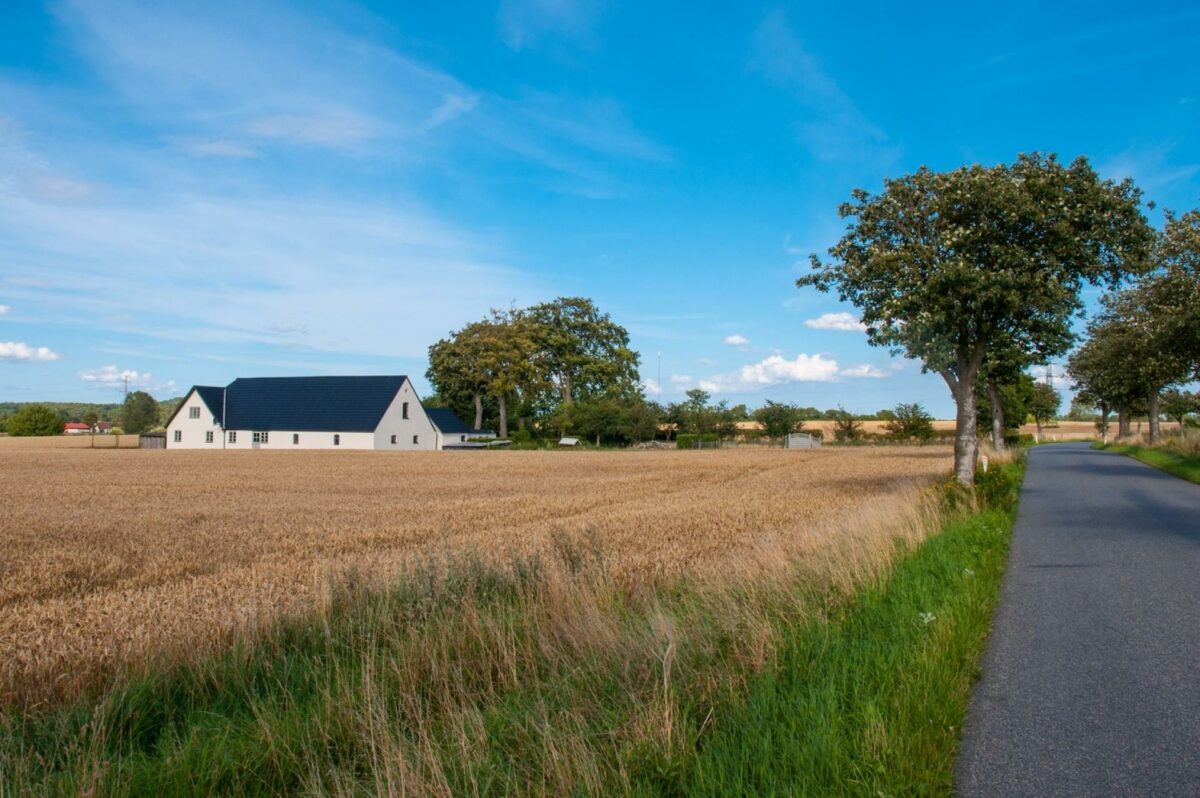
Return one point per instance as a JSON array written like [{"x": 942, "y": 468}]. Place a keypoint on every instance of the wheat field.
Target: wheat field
[{"x": 118, "y": 557}]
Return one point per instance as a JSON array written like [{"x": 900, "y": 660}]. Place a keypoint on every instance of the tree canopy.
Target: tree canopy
[
  {"x": 140, "y": 413},
  {"x": 947, "y": 266},
  {"x": 538, "y": 359},
  {"x": 33, "y": 420}
]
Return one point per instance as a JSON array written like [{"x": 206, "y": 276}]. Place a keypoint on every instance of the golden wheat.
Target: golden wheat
[{"x": 120, "y": 557}]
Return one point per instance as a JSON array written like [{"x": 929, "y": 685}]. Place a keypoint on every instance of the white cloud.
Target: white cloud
[
  {"x": 736, "y": 340},
  {"x": 863, "y": 371},
  {"x": 4, "y": 309},
  {"x": 845, "y": 322},
  {"x": 706, "y": 361},
  {"x": 1058, "y": 376},
  {"x": 651, "y": 387},
  {"x": 773, "y": 370},
  {"x": 114, "y": 378},
  {"x": 681, "y": 379},
  {"x": 18, "y": 350}
]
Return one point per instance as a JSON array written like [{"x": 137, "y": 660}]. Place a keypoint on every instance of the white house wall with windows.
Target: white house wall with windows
[{"x": 281, "y": 413}]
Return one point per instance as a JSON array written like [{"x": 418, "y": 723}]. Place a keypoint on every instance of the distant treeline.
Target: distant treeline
[{"x": 77, "y": 412}]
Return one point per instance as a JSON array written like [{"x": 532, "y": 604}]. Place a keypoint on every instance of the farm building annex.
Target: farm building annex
[{"x": 381, "y": 413}]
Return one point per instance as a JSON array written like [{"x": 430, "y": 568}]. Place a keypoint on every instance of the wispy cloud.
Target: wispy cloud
[
  {"x": 771, "y": 371},
  {"x": 680, "y": 380},
  {"x": 1153, "y": 168},
  {"x": 835, "y": 128},
  {"x": 19, "y": 350},
  {"x": 845, "y": 322},
  {"x": 4, "y": 309},
  {"x": 736, "y": 340},
  {"x": 525, "y": 23},
  {"x": 325, "y": 276},
  {"x": 218, "y": 148}
]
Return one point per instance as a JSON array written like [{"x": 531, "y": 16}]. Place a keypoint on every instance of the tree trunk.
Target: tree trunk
[
  {"x": 478, "y": 411},
  {"x": 566, "y": 389},
  {"x": 997, "y": 415},
  {"x": 966, "y": 442},
  {"x": 503, "y": 416},
  {"x": 1104, "y": 421},
  {"x": 1123, "y": 421},
  {"x": 1152, "y": 401},
  {"x": 1037, "y": 422}
]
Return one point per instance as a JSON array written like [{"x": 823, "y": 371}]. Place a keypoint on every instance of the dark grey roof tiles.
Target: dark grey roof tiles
[{"x": 310, "y": 404}]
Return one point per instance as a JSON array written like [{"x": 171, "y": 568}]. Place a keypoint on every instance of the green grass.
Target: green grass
[
  {"x": 871, "y": 702},
  {"x": 504, "y": 682},
  {"x": 1164, "y": 458}
]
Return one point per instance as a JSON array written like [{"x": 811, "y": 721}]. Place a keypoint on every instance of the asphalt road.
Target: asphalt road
[{"x": 1091, "y": 679}]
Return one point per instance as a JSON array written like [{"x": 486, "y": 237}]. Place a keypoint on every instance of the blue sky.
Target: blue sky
[{"x": 191, "y": 193}]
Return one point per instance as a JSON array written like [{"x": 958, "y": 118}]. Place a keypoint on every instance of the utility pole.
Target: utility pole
[
  {"x": 125, "y": 377},
  {"x": 659, "y": 382}
]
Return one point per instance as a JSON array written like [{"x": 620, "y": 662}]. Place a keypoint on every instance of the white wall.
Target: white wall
[
  {"x": 417, "y": 423},
  {"x": 192, "y": 430},
  {"x": 282, "y": 440}
]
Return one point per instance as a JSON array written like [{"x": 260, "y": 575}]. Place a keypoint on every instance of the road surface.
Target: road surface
[{"x": 1091, "y": 679}]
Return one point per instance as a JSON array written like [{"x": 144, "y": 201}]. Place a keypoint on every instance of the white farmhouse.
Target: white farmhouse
[{"x": 382, "y": 413}]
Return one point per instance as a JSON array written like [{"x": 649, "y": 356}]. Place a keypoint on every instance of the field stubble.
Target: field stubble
[{"x": 126, "y": 559}]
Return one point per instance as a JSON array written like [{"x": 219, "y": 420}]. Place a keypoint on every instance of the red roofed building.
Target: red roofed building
[{"x": 76, "y": 428}]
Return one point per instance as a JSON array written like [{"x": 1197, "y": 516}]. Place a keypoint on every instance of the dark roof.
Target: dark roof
[
  {"x": 310, "y": 404},
  {"x": 212, "y": 396},
  {"x": 447, "y": 421}
]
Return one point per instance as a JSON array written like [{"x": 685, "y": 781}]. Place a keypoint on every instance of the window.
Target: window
[
  {"x": 193, "y": 412},
  {"x": 259, "y": 437},
  {"x": 337, "y": 440},
  {"x": 208, "y": 436},
  {"x": 393, "y": 440},
  {"x": 232, "y": 436},
  {"x": 414, "y": 440},
  {"x": 404, "y": 410},
  {"x": 178, "y": 436},
  {"x": 462, "y": 438},
  {"x": 295, "y": 439}
]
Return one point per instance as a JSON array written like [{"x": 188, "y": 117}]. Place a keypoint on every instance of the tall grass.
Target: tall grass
[
  {"x": 553, "y": 676},
  {"x": 1177, "y": 453}
]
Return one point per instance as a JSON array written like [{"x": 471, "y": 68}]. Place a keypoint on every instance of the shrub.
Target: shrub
[
  {"x": 996, "y": 487},
  {"x": 34, "y": 420},
  {"x": 911, "y": 421}
]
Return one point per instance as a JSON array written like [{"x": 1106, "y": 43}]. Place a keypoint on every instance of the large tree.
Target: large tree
[
  {"x": 945, "y": 266},
  {"x": 585, "y": 353},
  {"x": 505, "y": 348},
  {"x": 456, "y": 371},
  {"x": 1104, "y": 371},
  {"x": 1044, "y": 406},
  {"x": 140, "y": 412}
]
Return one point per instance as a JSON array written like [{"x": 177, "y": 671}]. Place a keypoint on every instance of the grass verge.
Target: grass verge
[
  {"x": 871, "y": 700},
  {"x": 1165, "y": 458},
  {"x": 549, "y": 678}
]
